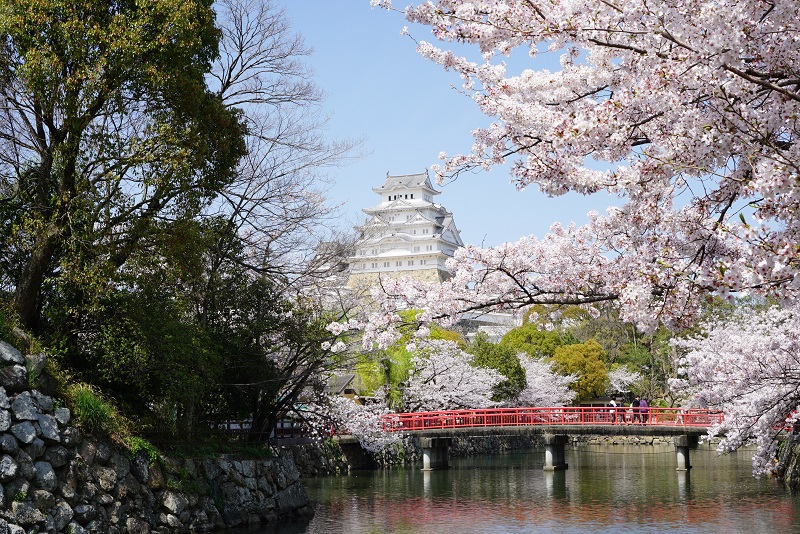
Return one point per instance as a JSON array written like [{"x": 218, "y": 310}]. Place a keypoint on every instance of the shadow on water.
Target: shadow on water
[{"x": 612, "y": 488}]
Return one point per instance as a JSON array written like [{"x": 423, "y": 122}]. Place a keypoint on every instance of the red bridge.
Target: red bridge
[
  {"x": 435, "y": 430},
  {"x": 647, "y": 421}
]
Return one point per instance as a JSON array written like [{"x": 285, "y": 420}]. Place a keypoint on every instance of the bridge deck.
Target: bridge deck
[
  {"x": 598, "y": 430},
  {"x": 563, "y": 420}
]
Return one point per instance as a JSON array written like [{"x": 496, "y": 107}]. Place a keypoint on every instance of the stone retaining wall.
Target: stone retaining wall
[
  {"x": 621, "y": 440},
  {"x": 410, "y": 453},
  {"x": 317, "y": 459},
  {"x": 55, "y": 479}
]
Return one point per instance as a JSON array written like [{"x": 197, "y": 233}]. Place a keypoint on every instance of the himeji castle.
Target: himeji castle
[{"x": 406, "y": 234}]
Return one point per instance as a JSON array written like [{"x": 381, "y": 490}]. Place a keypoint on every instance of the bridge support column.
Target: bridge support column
[
  {"x": 434, "y": 452},
  {"x": 554, "y": 459},
  {"x": 682, "y": 446}
]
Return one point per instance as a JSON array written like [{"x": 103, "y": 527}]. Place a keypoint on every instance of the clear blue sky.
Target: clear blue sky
[{"x": 408, "y": 110}]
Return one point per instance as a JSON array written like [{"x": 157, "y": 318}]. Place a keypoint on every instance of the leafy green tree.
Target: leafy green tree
[
  {"x": 535, "y": 342},
  {"x": 615, "y": 336},
  {"x": 388, "y": 370},
  {"x": 502, "y": 359},
  {"x": 150, "y": 342},
  {"x": 108, "y": 131},
  {"x": 586, "y": 361},
  {"x": 159, "y": 195}
]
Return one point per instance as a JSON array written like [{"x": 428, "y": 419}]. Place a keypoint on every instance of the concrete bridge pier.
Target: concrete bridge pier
[
  {"x": 682, "y": 446},
  {"x": 434, "y": 453},
  {"x": 554, "y": 459}
]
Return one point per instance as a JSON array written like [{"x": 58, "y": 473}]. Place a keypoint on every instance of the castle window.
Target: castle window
[
  {"x": 374, "y": 265},
  {"x": 386, "y": 264},
  {"x": 412, "y": 195},
  {"x": 422, "y": 262},
  {"x": 416, "y": 249},
  {"x": 411, "y": 262},
  {"x": 398, "y": 263}
]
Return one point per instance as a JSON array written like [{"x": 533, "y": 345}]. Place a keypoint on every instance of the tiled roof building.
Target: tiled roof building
[{"x": 406, "y": 234}]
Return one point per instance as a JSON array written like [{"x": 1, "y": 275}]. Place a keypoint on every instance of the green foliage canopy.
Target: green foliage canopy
[
  {"x": 108, "y": 132},
  {"x": 503, "y": 359},
  {"x": 585, "y": 360},
  {"x": 535, "y": 342}
]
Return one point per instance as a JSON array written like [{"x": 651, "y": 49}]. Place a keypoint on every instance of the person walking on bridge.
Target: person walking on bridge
[
  {"x": 635, "y": 408},
  {"x": 645, "y": 409}
]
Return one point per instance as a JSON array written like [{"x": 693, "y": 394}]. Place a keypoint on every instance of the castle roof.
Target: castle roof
[{"x": 407, "y": 181}]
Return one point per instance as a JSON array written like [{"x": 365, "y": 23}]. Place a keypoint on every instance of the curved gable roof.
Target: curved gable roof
[{"x": 407, "y": 181}]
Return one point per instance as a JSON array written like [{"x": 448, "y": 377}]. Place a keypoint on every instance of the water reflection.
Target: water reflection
[{"x": 605, "y": 489}]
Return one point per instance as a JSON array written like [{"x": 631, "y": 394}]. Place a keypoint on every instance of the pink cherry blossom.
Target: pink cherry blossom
[
  {"x": 687, "y": 112},
  {"x": 544, "y": 386},
  {"x": 746, "y": 366},
  {"x": 691, "y": 108},
  {"x": 445, "y": 379}
]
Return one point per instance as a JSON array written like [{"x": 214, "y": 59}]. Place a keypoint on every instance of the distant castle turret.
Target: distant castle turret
[{"x": 407, "y": 234}]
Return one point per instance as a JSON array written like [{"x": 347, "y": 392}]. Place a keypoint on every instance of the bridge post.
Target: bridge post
[
  {"x": 682, "y": 446},
  {"x": 434, "y": 453},
  {"x": 554, "y": 459}
]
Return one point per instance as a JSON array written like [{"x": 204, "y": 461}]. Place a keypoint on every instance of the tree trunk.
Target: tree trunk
[
  {"x": 262, "y": 422},
  {"x": 187, "y": 425},
  {"x": 27, "y": 296}
]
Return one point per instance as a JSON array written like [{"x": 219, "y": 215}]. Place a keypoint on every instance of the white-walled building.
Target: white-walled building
[{"x": 406, "y": 234}]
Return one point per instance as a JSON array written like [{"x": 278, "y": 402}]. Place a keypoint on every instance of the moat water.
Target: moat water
[{"x": 615, "y": 488}]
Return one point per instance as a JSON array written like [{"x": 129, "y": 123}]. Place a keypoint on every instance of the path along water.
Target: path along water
[{"x": 607, "y": 489}]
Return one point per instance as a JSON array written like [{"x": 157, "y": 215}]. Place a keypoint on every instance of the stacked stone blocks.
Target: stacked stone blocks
[{"x": 55, "y": 479}]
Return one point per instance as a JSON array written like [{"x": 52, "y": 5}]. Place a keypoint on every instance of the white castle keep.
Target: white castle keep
[{"x": 406, "y": 234}]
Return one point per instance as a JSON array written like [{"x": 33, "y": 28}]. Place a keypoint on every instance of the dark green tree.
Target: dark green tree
[
  {"x": 502, "y": 359},
  {"x": 107, "y": 132},
  {"x": 586, "y": 360},
  {"x": 160, "y": 202},
  {"x": 534, "y": 341}
]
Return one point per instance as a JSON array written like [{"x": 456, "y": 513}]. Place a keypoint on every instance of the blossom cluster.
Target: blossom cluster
[
  {"x": 544, "y": 386},
  {"x": 445, "y": 379},
  {"x": 341, "y": 415},
  {"x": 685, "y": 110},
  {"x": 747, "y": 366}
]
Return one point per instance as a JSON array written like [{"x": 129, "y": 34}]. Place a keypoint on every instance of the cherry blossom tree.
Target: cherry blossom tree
[
  {"x": 620, "y": 378},
  {"x": 686, "y": 110},
  {"x": 544, "y": 387},
  {"x": 344, "y": 416},
  {"x": 444, "y": 378},
  {"x": 747, "y": 366}
]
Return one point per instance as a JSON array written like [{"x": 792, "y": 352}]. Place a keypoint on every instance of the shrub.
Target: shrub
[
  {"x": 134, "y": 444},
  {"x": 92, "y": 410}
]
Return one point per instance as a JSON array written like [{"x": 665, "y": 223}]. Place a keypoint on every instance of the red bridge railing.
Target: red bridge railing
[{"x": 561, "y": 415}]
